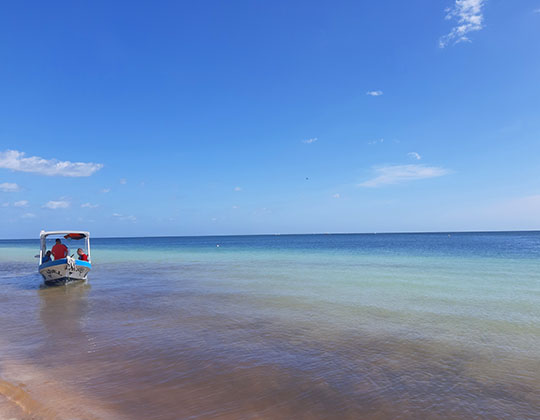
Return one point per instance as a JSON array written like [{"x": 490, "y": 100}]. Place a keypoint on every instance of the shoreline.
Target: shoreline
[{"x": 28, "y": 392}]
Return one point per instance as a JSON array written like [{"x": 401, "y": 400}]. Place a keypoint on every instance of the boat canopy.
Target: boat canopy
[
  {"x": 74, "y": 236},
  {"x": 67, "y": 234}
]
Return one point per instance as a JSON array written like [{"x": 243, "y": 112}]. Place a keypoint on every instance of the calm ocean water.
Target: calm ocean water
[{"x": 386, "y": 326}]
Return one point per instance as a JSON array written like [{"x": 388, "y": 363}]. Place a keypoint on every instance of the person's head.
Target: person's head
[
  {"x": 48, "y": 253},
  {"x": 80, "y": 251},
  {"x": 58, "y": 241}
]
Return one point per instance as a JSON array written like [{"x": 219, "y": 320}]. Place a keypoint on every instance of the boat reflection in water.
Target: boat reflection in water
[{"x": 64, "y": 315}]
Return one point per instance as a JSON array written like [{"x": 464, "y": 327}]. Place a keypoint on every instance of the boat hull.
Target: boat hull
[{"x": 64, "y": 271}]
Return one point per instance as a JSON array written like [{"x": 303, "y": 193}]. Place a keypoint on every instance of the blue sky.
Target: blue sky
[{"x": 242, "y": 117}]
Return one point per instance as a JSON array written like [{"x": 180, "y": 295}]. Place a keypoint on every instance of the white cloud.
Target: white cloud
[
  {"x": 4, "y": 205},
  {"x": 129, "y": 218},
  {"x": 238, "y": 188},
  {"x": 234, "y": 207},
  {"x": 106, "y": 190},
  {"x": 536, "y": 11},
  {"x": 310, "y": 141},
  {"x": 123, "y": 181},
  {"x": 22, "y": 203},
  {"x": 378, "y": 141},
  {"x": 89, "y": 205},
  {"x": 60, "y": 204},
  {"x": 28, "y": 216},
  {"x": 15, "y": 160},
  {"x": 375, "y": 93},
  {"x": 397, "y": 174},
  {"x": 336, "y": 196},
  {"x": 9, "y": 187},
  {"x": 414, "y": 155},
  {"x": 469, "y": 17}
]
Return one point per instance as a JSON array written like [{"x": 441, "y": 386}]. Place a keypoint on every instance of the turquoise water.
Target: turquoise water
[{"x": 291, "y": 326}]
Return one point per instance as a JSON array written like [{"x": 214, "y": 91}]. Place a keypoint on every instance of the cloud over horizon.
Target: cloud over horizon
[
  {"x": 9, "y": 187},
  {"x": 469, "y": 17},
  {"x": 397, "y": 174},
  {"x": 16, "y": 161}
]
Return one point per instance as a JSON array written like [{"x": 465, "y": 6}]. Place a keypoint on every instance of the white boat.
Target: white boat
[{"x": 66, "y": 269}]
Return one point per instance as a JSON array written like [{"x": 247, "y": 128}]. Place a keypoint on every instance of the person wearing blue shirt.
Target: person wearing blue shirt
[{"x": 46, "y": 257}]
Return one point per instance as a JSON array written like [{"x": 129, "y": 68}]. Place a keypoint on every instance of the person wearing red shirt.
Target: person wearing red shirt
[
  {"x": 59, "y": 251},
  {"x": 82, "y": 255}
]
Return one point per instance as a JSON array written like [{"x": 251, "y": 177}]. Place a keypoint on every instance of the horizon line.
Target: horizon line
[{"x": 303, "y": 234}]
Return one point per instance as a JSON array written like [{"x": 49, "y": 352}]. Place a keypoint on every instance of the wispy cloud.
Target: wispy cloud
[
  {"x": 6, "y": 204},
  {"x": 238, "y": 189},
  {"x": 414, "y": 155},
  {"x": 60, "y": 204},
  {"x": 16, "y": 161},
  {"x": 377, "y": 141},
  {"x": 28, "y": 216},
  {"x": 469, "y": 17},
  {"x": 374, "y": 93},
  {"x": 106, "y": 190},
  {"x": 9, "y": 187},
  {"x": 396, "y": 174},
  {"x": 89, "y": 205},
  {"x": 536, "y": 11},
  {"x": 129, "y": 218},
  {"x": 310, "y": 141},
  {"x": 336, "y": 195},
  {"x": 21, "y": 203},
  {"x": 123, "y": 181}
]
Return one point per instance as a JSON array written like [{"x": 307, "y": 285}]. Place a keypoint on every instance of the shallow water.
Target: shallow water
[{"x": 409, "y": 326}]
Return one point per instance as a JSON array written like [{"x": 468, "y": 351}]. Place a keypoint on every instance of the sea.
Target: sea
[{"x": 335, "y": 326}]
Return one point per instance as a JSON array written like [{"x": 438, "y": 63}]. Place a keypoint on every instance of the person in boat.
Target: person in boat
[
  {"x": 82, "y": 255},
  {"x": 46, "y": 257},
  {"x": 59, "y": 251}
]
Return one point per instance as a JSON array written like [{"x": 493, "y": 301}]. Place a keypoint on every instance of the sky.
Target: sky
[{"x": 250, "y": 117}]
